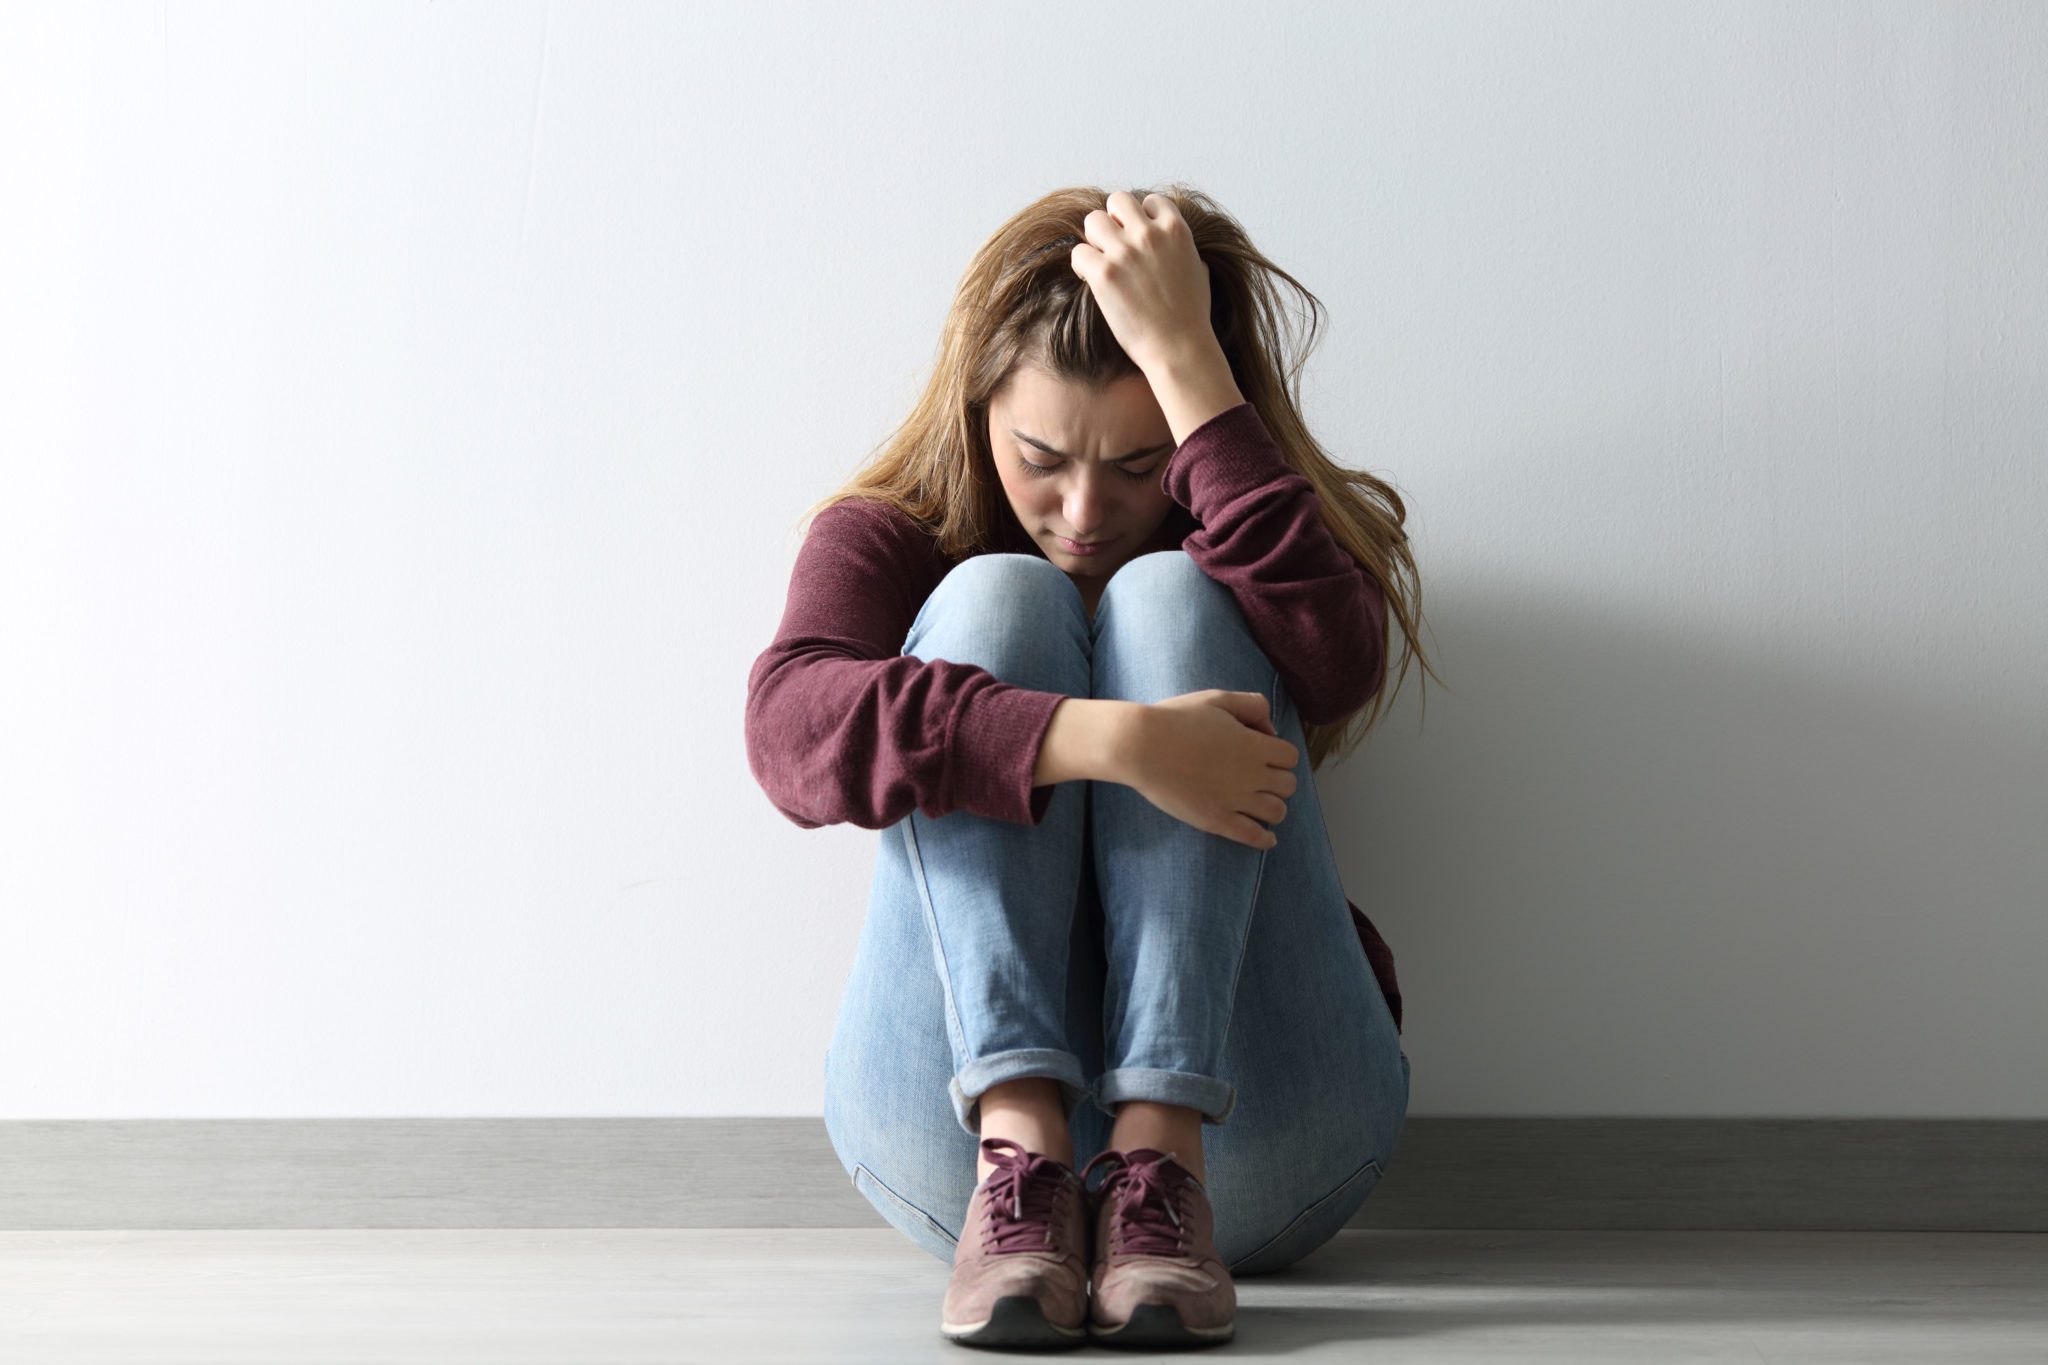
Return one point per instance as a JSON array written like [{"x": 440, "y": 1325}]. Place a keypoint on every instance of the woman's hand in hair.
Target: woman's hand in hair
[
  {"x": 1148, "y": 279},
  {"x": 1213, "y": 760}
]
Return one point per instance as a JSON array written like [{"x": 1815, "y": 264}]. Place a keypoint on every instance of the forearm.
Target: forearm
[
  {"x": 1193, "y": 385},
  {"x": 1090, "y": 738}
]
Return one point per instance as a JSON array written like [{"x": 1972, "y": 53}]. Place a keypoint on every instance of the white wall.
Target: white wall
[{"x": 405, "y": 410}]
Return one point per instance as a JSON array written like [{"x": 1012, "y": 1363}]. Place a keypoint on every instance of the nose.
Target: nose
[{"x": 1085, "y": 504}]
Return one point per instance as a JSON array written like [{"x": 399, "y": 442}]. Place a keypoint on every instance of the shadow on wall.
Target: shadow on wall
[{"x": 1734, "y": 875}]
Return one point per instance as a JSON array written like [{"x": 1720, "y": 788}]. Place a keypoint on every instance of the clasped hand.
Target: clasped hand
[{"x": 1213, "y": 759}]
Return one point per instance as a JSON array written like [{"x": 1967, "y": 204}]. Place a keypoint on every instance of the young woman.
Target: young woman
[{"x": 1074, "y": 641}]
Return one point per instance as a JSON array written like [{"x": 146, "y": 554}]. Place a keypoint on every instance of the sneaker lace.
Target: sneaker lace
[
  {"x": 1147, "y": 1213},
  {"x": 1023, "y": 1197}
]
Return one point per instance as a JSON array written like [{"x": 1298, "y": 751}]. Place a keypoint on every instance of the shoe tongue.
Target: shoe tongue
[
  {"x": 1166, "y": 1160},
  {"x": 1004, "y": 1153},
  {"x": 1135, "y": 1154},
  {"x": 1033, "y": 1167}
]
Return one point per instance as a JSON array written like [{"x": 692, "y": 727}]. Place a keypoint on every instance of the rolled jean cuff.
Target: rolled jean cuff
[
  {"x": 1213, "y": 1097},
  {"x": 981, "y": 1073}
]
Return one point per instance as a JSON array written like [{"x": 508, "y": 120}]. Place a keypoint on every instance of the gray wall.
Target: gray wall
[{"x": 404, "y": 410}]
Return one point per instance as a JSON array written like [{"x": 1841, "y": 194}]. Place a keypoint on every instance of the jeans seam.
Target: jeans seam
[
  {"x": 1258, "y": 882},
  {"x": 860, "y": 1169},
  {"x": 954, "y": 1026}
]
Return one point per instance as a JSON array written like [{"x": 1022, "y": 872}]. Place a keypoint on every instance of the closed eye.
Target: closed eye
[{"x": 1041, "y": 471}]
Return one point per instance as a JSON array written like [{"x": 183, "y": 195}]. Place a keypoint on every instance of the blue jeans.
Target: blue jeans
[{"x": 1114, "y": 948}]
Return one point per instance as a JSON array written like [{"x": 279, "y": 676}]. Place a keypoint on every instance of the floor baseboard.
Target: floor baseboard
[{"x": 1905, "y": 1175}]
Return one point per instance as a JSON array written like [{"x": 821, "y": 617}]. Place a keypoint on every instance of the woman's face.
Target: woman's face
[{"x": 1092, "y": 469}]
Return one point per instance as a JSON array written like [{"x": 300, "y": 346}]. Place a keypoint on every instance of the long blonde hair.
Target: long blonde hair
[{"x": 1020, "y": 302}]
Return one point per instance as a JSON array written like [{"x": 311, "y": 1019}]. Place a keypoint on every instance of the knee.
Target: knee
[
  {"x": 1168, "y": 581},
  {"x": 1006, "y": 596},
  {"x": 1007, "y": 578},
  {"x": 1171, "y": 628}
]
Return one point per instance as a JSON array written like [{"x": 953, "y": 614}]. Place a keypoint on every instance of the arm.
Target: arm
[
  {"x": 1313, "y": 608},
  {"x": 842, "y": 726},
  {"x": 1315, "y": 611}
]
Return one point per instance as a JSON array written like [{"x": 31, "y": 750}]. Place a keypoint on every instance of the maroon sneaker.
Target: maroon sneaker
[
  {"x": 1156, "y": 1279},
  {"x": 1020, "y": 1270}
]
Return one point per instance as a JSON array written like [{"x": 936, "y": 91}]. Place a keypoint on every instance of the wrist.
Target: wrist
[
  {"x": 1090, "y": 738},
  {"x": 1124, "y": 734},
  {"x": 1192, "y": 386},
  {"x": 1197, "y": 358}
]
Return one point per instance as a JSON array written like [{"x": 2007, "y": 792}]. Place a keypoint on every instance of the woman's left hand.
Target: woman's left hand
[{"x": 1141, "y": 264}]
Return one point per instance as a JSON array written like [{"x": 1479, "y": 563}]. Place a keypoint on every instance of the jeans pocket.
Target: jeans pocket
[
  {"x": 905, "y": 1216},
  {"x": 1313, "y": 1226}
]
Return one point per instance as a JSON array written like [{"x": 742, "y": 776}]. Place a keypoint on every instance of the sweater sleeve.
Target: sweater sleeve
[
  {"x": 1381, "y": 959},
  {"x": 842, "y": 726},
  {"x": 1313, "y": 608}
]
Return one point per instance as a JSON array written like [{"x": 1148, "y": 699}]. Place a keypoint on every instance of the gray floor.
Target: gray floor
[{"x": 832, "y": 1294}]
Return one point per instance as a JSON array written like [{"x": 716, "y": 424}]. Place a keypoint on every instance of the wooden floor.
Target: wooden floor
[{"x": 839, "y": 1294}]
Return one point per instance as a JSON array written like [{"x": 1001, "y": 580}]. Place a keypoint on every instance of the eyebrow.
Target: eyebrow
[{"x": 1061, "y": 454}]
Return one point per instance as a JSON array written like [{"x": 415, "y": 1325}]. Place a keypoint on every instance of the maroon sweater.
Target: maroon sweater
[{"x": 842, "y": 727}]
